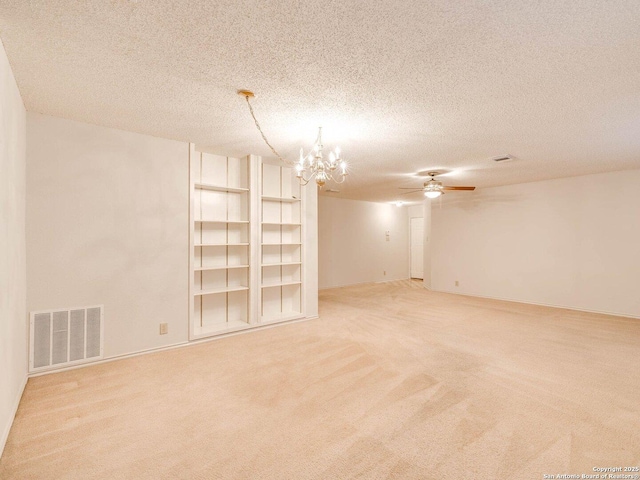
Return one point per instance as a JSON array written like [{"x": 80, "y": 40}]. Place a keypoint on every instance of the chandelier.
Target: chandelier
[{"x": 313, "y": 165}]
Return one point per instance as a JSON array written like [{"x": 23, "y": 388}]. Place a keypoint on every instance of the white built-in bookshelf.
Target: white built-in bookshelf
[
  {"x": 221, "y": 240},
  {"x": 246, "y": 241},
  {"x": 281, "y": 245}
]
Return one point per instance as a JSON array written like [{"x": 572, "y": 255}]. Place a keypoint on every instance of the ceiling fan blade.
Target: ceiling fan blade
[
  {"x": 413, "y": 191},
  {"x": 458, "y": 188}
]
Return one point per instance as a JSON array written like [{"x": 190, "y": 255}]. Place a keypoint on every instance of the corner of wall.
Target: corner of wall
[
  {"x": 13, "y": 411},
  {"x": 14, "y": 330}
]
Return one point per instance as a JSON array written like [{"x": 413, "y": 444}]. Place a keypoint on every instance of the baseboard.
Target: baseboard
[
  {"x": 362, "y": 283},
  {"x": 7, "y": 429},
  {"x": 110, "y": 359},
  {"x": 170, "y": 347},
  {"x": 253, "y": 329},
  {"x": 565, "y": 307}
]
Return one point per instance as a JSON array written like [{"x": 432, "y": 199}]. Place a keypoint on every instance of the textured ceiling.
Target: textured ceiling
[{"x": 401, "y": 86}]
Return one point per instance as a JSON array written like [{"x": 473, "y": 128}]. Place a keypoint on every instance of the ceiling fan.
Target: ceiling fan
[{"x": 433, "y": 188}]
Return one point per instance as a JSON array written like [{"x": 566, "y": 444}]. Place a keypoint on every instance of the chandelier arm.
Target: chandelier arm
[
  {"x": 262, "y": 133},
  {"x": 344, "y": 177},
  {"x": 303, "y": 182}
]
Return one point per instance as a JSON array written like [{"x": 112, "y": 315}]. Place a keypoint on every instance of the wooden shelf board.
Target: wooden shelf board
[
  {"x": 213, "y": 291},
  {"x": 220, "y": 267},
  {"x": 222, "y": 221},
  {"x": 283, "y": 224},
  {"x": 219, "y": 188},
  {"x": 282, "y": 284},
  {"x": 280, "y": 199},
  {"x": 278, "y": 244},
  {"x": 281, "y": 264},
  {"x": 220, "y": 244}
]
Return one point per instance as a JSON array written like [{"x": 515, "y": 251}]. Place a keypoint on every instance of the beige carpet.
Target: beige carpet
[{"x": 392, "y": 382}]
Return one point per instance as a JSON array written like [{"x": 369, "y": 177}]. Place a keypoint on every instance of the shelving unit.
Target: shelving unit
[
  {"x": 247, "y": 245},
  {"x": 281, "y": 245},
  {"x": 220, "y": 244}
]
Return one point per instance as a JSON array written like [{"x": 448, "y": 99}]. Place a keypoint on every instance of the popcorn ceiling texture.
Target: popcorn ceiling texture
[{"x": 402, "y": 87}]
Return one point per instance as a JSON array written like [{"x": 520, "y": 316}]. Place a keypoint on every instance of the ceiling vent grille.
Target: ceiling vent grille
[
  {"x": 61, "y": 338},
  {"x": 503, "y": 158}
]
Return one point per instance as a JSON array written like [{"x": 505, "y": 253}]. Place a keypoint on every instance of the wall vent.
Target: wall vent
[
  {"x": 61, "y": 338},
  {"x": 503, "y": 158}
]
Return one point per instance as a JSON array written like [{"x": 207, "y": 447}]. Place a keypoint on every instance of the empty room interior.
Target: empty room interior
[{"x": 319, "y": 240}]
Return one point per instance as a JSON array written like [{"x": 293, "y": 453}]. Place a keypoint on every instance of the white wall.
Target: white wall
[
  {"x": 572, "y": 242},
  {"x": 352, "y": 247},
  {"x": 13, "y": 318},
  {"x": 415, "y": 211},
  {"x": 107, "y": 223}
]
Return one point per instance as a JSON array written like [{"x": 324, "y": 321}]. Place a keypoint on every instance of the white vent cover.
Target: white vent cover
[
  {"x": 60, "y": 338},
  {"x": 503, "y": 158}
]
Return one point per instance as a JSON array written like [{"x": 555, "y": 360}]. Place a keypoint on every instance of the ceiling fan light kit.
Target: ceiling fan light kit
[
  {"x": 310, "y": 166},
  {"x": 434, "y": 188}
]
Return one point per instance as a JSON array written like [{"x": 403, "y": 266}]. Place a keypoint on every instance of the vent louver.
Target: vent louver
[
  {"x": 61, "y": 338},
  {"x": 503, "y": 158}
]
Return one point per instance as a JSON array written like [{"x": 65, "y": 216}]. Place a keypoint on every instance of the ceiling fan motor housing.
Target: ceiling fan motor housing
[{"x": 433, "y": 186}]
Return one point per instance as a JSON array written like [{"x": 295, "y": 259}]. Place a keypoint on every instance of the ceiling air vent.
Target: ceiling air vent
[{"x": 503, "y": 158}]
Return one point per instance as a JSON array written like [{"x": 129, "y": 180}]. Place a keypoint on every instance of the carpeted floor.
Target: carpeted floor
[{"x": 391, "y": 382}]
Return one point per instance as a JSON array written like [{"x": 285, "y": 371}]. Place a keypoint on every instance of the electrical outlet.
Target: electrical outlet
[
  {"x": 164, "y": 328},
  {"x": 384, "y": 273},
  {"x": 457, "y": 283}
]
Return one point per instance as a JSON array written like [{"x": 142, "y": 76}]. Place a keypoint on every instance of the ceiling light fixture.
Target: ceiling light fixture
[
  {"x": 312, "y": 165},
  {"x": 433, "y": 188}
]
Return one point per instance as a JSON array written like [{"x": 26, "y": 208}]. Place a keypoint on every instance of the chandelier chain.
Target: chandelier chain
[
  {"x": 262, "y": 133},
  {"x": 313, "y": 164}
]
